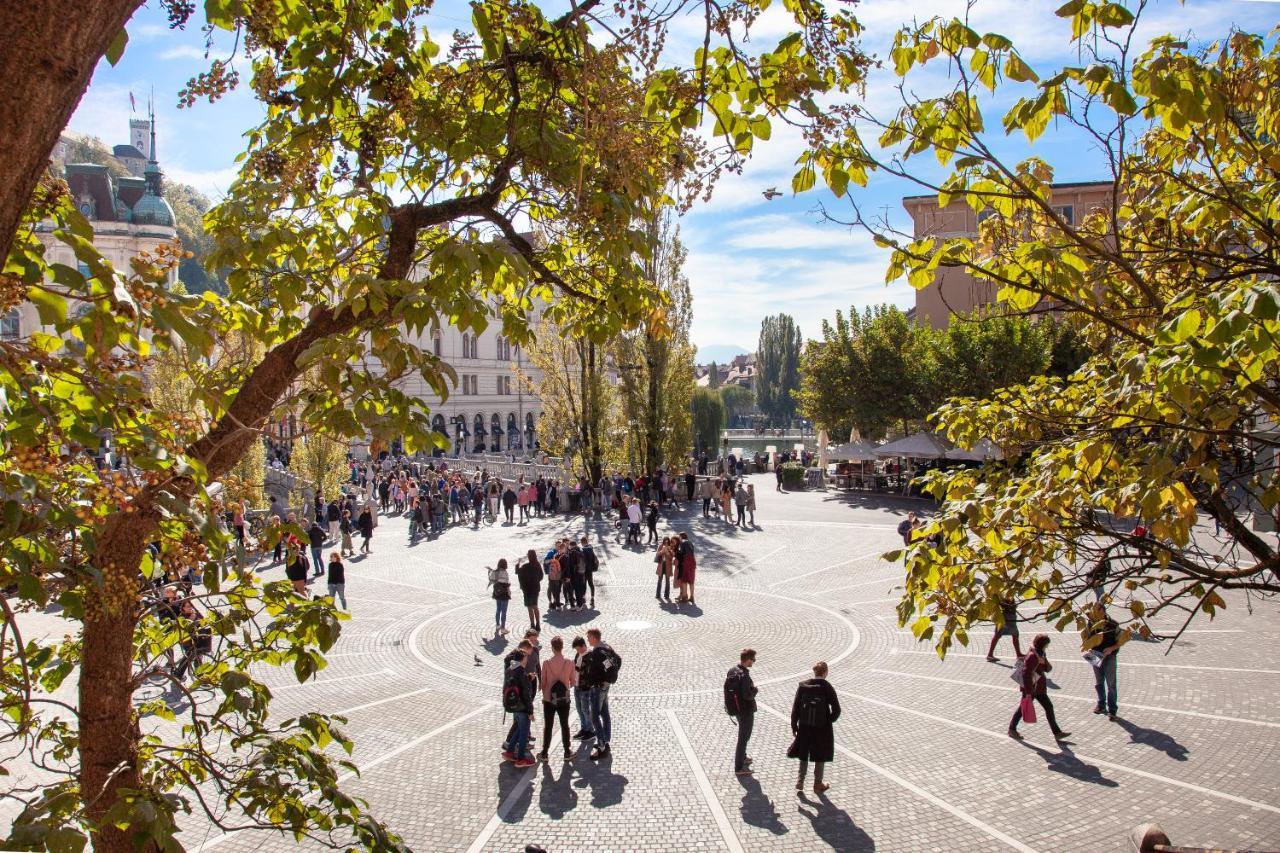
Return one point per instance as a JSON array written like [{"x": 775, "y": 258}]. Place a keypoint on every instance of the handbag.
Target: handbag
[{"x": 1028, "y": 710}]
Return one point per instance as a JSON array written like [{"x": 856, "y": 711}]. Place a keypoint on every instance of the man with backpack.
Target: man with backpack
[
  {"x": 740, "y": 703},
  {"x": 554, "y": 564},
  {"x": 517, "y": 699},
  {"x": 601, "y": 671},
  {"x": 574, "y": 574}
]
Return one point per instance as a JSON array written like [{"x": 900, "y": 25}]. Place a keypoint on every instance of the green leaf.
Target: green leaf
[{"x": 116, "y": 49}]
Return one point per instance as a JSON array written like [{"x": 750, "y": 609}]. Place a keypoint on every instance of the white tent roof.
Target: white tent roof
[
  {"x": 857, "y": 451},
  {"x": 920, "y": 445},
  {"x": 981, "y": 452}
]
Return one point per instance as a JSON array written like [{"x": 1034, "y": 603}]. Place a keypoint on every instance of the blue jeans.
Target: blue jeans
[
  {"x": 338, "y": 592},
  {"x": 317, "y": 567},
  {"x": 520, "y": 745},
  {"x": 500, "y": 612},
  {"x": 600, "y": 722},
  {"x": 1104, "y": 681},
  {"x": 582, "y": 703}
]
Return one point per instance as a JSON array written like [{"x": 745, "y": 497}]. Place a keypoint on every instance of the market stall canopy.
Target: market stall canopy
[
  {"x": 919, "y": 445},
  {"x": 981, "y": 452},
  {"x": 857, "y": 451}
]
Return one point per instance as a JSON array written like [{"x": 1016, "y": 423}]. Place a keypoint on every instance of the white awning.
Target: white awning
[
  {"x": 857, "y": 451},
  {"x": 920, "y": 445}
]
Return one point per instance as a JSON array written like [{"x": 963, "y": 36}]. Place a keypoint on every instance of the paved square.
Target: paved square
[{"x": 923, "y": 762}]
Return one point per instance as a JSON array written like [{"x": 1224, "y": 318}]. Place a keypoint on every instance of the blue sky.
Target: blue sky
[{"x": 748, "y": 257}]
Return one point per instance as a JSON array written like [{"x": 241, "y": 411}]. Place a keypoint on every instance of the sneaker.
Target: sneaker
[
  {"x": 1061, "y": 735},
  {"x": 992, "y": 658},
  {"x": 1098, "y": 709},
  {"x": 508, "y": 755},
  {"x": 599, "y": 752},
  {"x": 584, "y": 736},
  {"x": 1111, "y": 717},
  {"x": 522, "y": 763},
  {"x": 1013, "y": 733},
  {"x": 820, "y": 787}
]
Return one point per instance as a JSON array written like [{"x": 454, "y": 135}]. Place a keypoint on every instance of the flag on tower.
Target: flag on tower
[{"x": 133, "y": 105}]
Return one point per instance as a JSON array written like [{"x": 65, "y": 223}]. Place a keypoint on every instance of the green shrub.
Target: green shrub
[{"x": 793, "y": 476}]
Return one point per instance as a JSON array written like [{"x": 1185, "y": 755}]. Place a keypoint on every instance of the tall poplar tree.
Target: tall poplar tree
[{"x": 778, "y": 368}]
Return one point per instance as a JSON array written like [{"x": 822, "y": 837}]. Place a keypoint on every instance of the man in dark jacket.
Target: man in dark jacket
[
  {"x": 740, "y": 702},
  {"x": 316, "y": 537},
  {"x": 333, "y": 514},
  {"x": 813, "y": 714},
  {"x": 529, "y": 574},
  {"x": 518, "y": 679}
]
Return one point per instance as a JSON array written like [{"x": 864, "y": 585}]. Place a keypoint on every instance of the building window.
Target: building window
[
  {"x": 504, "y": 349},
  {"x": 1067, "y": 212},
  {"x": 466, "y": 346},
  {"x": 11, "y": 326}
]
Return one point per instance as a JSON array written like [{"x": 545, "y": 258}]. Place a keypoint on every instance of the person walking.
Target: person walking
[
  {"x": 501, "y": 583},
  {"x": 333, "y": 514},
  {"x": 1103, "y": 658},
  {"x": 275, "y": 530},
  {"x": 1030, "y": 674},
  {"x": 316, "y": 536},
  {"x": 740, "y": 703},
  {"x": 813, "y": 713},
  {"x": 1007, "y": 628},
  {"x": 558, "y": 680},
  {"x": 751, "y": 503},
  {"x": 740, "y": 501},
  {"x": 777, "y": 473},
  {"x": 529, "y": 573},
  {"x": 651, "y": 519},
  {"x": 705, "y": 491},
  {"x": 366, "y": 529},
  {"x": 581, "y": 693},
  {"x": 601, "y": 665},
  {"x": 509, "y": 499},
  {"x": 634, "y": 518},
  {"x": 337, "y": 580},
  {"x": 348, "y": 548}
]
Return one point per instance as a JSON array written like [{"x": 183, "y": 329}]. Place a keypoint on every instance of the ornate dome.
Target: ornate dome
[{"x": 153, "y": 210}]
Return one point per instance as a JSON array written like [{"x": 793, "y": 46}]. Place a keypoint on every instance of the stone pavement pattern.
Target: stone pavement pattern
[{"x": 923, "y": 762}]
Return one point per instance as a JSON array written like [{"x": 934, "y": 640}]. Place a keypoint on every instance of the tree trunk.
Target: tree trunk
[
  {"x": 108, "y": 724},
  {"x": 48, "y": 51}
]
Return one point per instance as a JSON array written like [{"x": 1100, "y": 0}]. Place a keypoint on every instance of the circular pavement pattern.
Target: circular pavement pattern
[{"x": 669, "y": 649}]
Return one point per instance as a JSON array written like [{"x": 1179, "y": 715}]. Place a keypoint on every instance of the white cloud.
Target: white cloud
[
  {"x": 214, "y": 183},
  {"x": 184, "y": 51}
]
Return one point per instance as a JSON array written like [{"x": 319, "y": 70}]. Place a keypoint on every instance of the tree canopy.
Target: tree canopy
[
  {"x": 1172, "y": 284},
  {"x": 405, "y": 176}
]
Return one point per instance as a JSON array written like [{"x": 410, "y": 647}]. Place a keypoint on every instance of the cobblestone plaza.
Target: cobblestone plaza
[{"x": 922, "y": 763}]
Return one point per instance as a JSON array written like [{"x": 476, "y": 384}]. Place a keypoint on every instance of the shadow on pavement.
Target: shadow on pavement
[
  {"x": 569, "y": 618},
  {"x": 1067, "y": 763},
  {"x": 834, "y": 826},
  {"x": 508, "y": 778},
  {"x": 556, "y": 796},
  {"x": 606, "y": 786},
  {"x": 1154, "y": 739},
  {"x": 758, "y": 809}
]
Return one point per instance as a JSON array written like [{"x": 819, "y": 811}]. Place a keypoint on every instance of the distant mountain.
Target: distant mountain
[{"x": 719, "y": 353}]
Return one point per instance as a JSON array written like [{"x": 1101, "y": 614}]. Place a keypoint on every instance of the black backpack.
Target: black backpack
[
  {"x": 560, "y": 694},
  {"x": 513, "y": 690},
  {"x": 593, "y": 562},
  {"x": 904, "y": 530},
  {"x": 605, "y": 664},
  {"x": 814, "y": 709},
  {"x": 732, "y": 688}
]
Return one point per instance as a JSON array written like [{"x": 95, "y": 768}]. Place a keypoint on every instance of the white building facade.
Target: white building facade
[{"x": 489, "y": 409}]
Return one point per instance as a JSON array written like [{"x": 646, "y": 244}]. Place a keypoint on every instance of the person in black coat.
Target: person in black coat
[{"x": 813, "y": 714}]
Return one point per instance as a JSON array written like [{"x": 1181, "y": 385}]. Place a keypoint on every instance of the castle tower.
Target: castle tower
[{"x": 140, "y": 135}]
